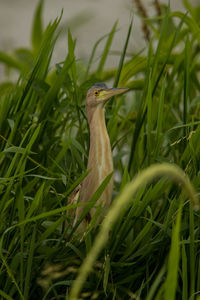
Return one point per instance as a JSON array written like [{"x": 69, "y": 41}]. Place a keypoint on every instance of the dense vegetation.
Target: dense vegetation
[{"x": 152, "y": 251}]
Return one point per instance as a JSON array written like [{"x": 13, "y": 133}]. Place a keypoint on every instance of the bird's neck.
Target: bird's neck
[{"x": 100, "y": 149}]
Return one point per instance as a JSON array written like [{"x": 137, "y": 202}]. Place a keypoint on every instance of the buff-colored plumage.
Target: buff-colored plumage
[{"x": 100, "y": 161}]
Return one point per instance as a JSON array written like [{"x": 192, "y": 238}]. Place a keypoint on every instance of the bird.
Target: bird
[{"x": 100, "y": 160}]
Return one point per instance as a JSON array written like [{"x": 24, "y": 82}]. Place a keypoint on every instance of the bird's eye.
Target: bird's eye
[{"x": 96, "y": 93}]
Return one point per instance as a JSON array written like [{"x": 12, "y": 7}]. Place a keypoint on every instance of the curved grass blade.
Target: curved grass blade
[
  {"x": 120, "y": 204},
  {"x": 11, "y": 62}
]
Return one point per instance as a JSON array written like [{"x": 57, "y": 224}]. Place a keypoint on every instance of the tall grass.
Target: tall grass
[{"x": 148, "y": 245}]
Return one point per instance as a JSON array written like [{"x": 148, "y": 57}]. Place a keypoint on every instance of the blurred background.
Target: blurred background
[{"x": 88, "y": 20}]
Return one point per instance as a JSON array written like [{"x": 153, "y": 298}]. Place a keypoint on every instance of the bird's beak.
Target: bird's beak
[{"x": 109, "y": 93}]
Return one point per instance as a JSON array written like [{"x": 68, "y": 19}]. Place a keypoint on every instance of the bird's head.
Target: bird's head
[{"x": 99, "y": 94}]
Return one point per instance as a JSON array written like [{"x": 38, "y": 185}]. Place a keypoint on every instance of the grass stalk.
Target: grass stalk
[{"x": 122, "y": 202}]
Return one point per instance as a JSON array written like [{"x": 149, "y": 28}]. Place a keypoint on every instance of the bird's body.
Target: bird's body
[
  {"x": 100, "y": 164},
  {"x": 100, "y": 161}
]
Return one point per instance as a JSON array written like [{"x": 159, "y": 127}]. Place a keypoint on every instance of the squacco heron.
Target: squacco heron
[{"x": 100, "y": 161}]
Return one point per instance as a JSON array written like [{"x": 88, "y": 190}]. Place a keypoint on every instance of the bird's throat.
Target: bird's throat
[{"x": 100, "y": 155}]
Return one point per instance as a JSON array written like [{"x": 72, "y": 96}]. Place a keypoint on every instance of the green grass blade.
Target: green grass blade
[
  {"x": 141, "y": 112},
  {"x": 9, "y": 271},
  {"x": 48, "y": 232},
  {"x": 174, "y": 256},
  {"x": 93, "y": 54},
  {"x": 106, "y": 50},
  {"x": 36, "y": 201},
  {"x": 186, "y": 83},
  {"x": 37, "y": 27},
  {"x": 120, "y": 204},
  {"x": 198, "y": 277},
  {"x": 143, "y": 116},
  {"x": 156, "y": 283},
  {"x": 121, "y": 63},
  {"x": 27, "y": 283},
  {"x": 149, "y": 120},
  {"x": 106, "y": 273},
  {"x": 191, "y": 23},
  {"x": 52, "y": 92},
  {"x": 5, "y": 296},
  {"x": 21, "y": 212},
  {"x": 192, "y": 255},
  {"x": 160, "y": 118},
  {"x": 10, "y": 61},
  {"x": 93, "y": 200},
  {"x": 184, "y": 273}
]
